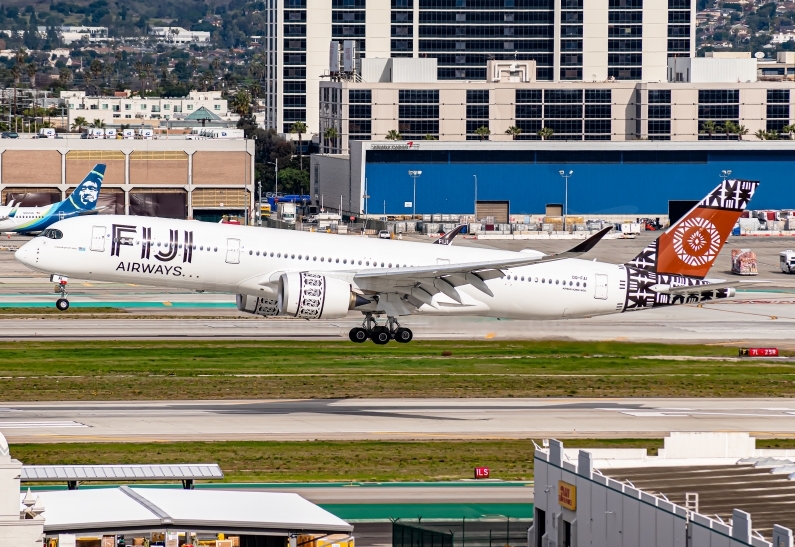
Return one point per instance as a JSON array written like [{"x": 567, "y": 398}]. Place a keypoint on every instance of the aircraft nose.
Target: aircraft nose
[{"x": 25, "y": 254}]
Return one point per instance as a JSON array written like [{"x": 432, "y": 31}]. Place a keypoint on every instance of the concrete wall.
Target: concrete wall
[{"x": 330, "y": 178}]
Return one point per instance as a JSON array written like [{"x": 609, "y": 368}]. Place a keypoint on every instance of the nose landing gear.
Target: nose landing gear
[
  {"x": 380, "y": 334},
  {"x": 62, "y": 303}
]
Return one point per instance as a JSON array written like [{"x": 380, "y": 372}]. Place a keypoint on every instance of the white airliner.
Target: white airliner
[{"x": 314, "y": 276}]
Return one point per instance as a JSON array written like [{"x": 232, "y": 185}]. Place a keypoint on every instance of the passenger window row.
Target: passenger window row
[
  {"x": 330, "y": 260},
  {"x": 549, "y": 281}
]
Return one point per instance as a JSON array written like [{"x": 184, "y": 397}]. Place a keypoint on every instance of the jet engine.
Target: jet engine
[
  {"x": 257, "y": 306},
  {"x": 313, "y": 296}
]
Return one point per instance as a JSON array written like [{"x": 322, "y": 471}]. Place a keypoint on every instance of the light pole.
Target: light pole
[
  {"x": 275, "y": 164},
  {"x": 414, "y": 175},
  {"x": 259, "y": 203},
  {"x": 726, "y": 173},
  {"x": 476, "y": 198},
  {"x": 566, "y": 176}
]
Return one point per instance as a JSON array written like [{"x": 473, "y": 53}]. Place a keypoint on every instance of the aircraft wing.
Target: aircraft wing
[
  {"x": 709, "y": 286},
  {"x": 445, "y": 277}
]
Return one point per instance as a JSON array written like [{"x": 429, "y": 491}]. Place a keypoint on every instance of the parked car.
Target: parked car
[
  {"x": 384, "y": 234},
  {"x": 9, "y": 135}
]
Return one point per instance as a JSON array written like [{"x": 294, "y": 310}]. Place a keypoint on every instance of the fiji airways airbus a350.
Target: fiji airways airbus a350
[{"x": 317, "y": 276}]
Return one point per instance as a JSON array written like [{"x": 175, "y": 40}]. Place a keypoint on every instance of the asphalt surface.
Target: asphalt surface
[
  {"x": 390, "y": 419},
  {"x": 762, "y": 315}
]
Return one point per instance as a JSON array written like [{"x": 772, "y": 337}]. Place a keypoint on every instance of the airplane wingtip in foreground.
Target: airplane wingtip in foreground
[{"x": 321, "y": 276}]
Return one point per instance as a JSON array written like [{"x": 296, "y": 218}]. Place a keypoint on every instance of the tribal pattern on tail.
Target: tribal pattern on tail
[{"x": 684, "y": 254}]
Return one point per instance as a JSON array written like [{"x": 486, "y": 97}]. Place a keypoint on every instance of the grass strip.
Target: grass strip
[
  {"x": 323, "y": 461},
  {"x": 120, "y": 370}
]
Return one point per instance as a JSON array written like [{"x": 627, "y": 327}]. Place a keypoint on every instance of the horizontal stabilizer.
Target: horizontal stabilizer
[{"x": 697, "y": 289}]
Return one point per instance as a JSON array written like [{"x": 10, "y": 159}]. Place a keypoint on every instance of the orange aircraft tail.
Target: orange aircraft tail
[
  {"x": 683, "y": 255},
  {"x": 689, "y": 247}
]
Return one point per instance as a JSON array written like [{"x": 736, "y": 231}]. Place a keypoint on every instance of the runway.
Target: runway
[
  {"x": 390, "y": 419},
  {"x": 761, "y": 319}
]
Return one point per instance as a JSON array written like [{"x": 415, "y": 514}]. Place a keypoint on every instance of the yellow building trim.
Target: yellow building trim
[
  {"x": 96, "y": 155},
  {"x": 159, "y": 155}
]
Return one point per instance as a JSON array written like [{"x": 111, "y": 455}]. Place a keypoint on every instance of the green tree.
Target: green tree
[
  {"x": 741, "y": 130},
  {"x": 545, "y": 133},
  {"x": 99, "y": 124},
  {"x": 709, "y": 127},
  {"x": 513, "y": 131},
  {"x": 761, "y": 135},
  {"x": 300, "y": 128},
  {"x": 483, "y": 132},
  {"x": 330, "y": 135},
  {"x": 292, "y": 180},
  {"x": 393, "y": 135},
  {"x": 241, "y": 103},
  {"x": 79, "y": 123},
  {"x": 789, "y": 130},
  {"x": 430, "y": 137},
  {"x": 730, "y": 128}
]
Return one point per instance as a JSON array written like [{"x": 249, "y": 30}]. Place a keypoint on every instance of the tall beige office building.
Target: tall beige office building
[{"x": 569, "y": 40}]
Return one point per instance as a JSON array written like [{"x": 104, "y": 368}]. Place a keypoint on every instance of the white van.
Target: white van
[
  {"x": 110, "y": 133},
  {"x": 46, "y": 133},
  {"x": 146, "y": 134},
  {"x": 128, "y": 133}
]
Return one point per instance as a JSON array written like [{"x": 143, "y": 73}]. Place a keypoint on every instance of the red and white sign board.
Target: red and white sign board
[
  {"x": 758, "y": 352},
  {"x": 482, "y": 473}
]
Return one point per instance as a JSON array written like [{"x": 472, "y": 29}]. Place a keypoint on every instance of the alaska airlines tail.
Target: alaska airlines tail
[
  {"x": 85, "y": 196},
  {"x": 689, "y": 247}
]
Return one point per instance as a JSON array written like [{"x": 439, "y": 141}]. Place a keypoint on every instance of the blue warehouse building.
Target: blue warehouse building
[{"x": 631, "y": 177}]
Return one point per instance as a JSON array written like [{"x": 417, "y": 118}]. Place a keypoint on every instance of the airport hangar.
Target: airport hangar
[
  {"x": 635, "y": 178},
  {"x": 176, "y": 178}
]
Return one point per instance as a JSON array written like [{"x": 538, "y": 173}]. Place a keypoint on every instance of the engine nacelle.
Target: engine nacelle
[
  {"x": 257, "y": 306},
  {"x": 312, "y": 296}
]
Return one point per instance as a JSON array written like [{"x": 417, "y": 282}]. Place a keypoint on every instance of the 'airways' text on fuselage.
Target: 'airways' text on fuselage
[{"x": 156, "y": 269}]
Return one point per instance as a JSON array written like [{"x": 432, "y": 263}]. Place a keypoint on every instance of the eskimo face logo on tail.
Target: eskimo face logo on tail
[
  {"x": 696, "y": 241},
  {"x": 88, "y": 194}
]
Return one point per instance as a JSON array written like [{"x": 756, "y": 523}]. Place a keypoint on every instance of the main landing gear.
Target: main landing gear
[
  {"x": 380, "y": 334},
  {"x": 62, "y": 303}
]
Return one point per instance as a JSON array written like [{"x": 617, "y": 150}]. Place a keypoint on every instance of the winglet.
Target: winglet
[
  {"x": 589, "y": 243},
  {"x": 447, "y": 239}
]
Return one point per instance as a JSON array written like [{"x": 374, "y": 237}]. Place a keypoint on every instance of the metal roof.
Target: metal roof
[
  {"x": 99, "y": 510},
  {"x": 50, "y": 473},
  {"x": 768, "y": 497}
]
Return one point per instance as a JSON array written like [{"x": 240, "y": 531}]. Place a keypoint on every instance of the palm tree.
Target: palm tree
[
  {"x": 545, "y": 133},
  {"x": 761, "y": 135},
  {"x": 300, "y": 128},
  {"x": 98, "y": 123},
  {"x": 393, "y": 135},
  {"x": 741, "y": 130},
  {"x": 331, "y": 135},
  {"x": 709, "y": 127},
  {"x": 430, "y": 137},
  {"x": 729, "y": 127},
  {"x": 31, "y": 69},
  {"x": 788, "y": 129},
  {"x": 773, "y": 135},
  {"x": 241, "y": 103},
  {"x": 79, "y": 123},
  {"x": 513, "y": 131},
  {"x": 483, "y": 132}
]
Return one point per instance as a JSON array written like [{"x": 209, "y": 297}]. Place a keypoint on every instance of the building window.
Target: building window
[
  {"x": 778, "y": 109},
  {"x": 477, "y": 113},
  {"x": 359, "y": 114},
  {"x": 418, "y": 113},
  {"x": 659, "y": 115},
  {"x": 716, "y": 107}
]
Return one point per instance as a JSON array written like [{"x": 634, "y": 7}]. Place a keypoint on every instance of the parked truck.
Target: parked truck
[
  {"x": 786, "y": 260},
  {"x": 287, "y": 212}
]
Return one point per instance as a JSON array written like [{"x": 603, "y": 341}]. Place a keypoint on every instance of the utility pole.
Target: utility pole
[{"x": 566, "y": 176}]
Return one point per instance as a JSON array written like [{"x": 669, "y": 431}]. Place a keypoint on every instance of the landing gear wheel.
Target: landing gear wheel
[
  {"x": 380, "y": 335},
  {"x": 403, "y": 335},
  {"x": 358, "y": 335},
  {"x": 62, "y": 304}
]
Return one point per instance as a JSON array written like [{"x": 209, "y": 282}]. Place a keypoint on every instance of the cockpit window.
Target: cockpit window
[{"x": 51, "y": 233}]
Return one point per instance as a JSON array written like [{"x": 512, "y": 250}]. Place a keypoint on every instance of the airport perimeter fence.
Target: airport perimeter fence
[{"x": 464, "y": 533}]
